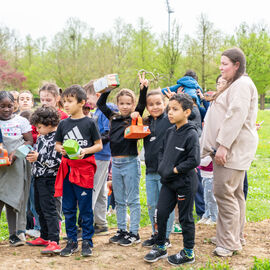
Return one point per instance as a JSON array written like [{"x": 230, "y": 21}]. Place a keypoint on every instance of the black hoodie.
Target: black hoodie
[
  {"x": 154, "y": 140},
  {"x": 180, "y": 149}
]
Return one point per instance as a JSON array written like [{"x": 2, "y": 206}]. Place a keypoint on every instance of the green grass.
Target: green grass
[{"x": 258, "y": 202}]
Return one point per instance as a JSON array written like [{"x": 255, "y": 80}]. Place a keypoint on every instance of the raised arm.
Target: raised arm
[{"x": 101, "y": 103}]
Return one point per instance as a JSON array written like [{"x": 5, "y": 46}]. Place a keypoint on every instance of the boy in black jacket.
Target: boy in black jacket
[{"x": 179, "y": 156}]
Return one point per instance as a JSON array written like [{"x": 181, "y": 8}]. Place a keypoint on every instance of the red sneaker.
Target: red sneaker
[
  {"x": 38, "y": 242},
  {"x": 52, "y": 248}
]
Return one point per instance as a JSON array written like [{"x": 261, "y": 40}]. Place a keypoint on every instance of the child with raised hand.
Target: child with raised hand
[
  {"x": 158, "y": 123},
  {"x": 99, "y": 200},
  {"x": 15, "y": 179},
  {"x": 45, "y": 163},
  {"x": 179, "y": 156},
  {"x": 126, "y": 169},
  {"x": 75, "y": 176},
  {"x": 49, "y": 94}
]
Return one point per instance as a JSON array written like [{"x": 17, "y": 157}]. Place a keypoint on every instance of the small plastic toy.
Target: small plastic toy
[
  {"x": 136, "y": 131},
  {"x": 72, "y": 148},
  {"x": 23, "y": 150},
  {"x": 4, "y": 160}
]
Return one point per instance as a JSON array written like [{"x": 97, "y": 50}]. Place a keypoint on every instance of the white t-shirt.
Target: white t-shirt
[{"x": 15, "y": 127}]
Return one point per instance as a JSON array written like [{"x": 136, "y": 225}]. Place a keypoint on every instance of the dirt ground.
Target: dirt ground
[{"x": 110, "y": 256}]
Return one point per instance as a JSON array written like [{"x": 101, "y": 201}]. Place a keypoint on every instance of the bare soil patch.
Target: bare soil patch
[{"x": 110, "y": 256}]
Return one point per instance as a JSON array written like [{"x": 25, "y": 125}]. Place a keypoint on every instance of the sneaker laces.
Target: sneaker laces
[{"x": 178, "y": 255}]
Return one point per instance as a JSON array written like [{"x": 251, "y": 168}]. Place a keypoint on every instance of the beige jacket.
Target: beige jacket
[{"x": 231, "y": 121}]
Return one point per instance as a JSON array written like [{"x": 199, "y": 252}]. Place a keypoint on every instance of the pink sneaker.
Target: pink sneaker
[
  {"x": 52, "y": 248},
  {"x": 38, "y": 242}
]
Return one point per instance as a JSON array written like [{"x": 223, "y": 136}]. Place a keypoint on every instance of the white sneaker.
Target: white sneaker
[
  {"x": 33, "y": 233},
  {"x": 223, "y": 252},
  {"x": 202, "y": 220},
  {"x": 22, "y": 237},
  {"x": 210, "y": 222}
]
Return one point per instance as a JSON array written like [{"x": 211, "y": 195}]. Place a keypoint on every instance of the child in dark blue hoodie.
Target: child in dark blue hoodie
[{"x": 179, "y": 156}]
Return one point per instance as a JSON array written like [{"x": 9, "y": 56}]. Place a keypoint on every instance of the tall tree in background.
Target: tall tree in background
[
  {"x": 204, "y": 51},
  {"x": 255, "y": 42},
  {"x": 170, "y": 53}
]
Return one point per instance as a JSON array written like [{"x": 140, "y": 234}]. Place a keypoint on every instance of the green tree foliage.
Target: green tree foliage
[
  {"x": 78, "y": 54},
  {"x": 255, "y": 42}
]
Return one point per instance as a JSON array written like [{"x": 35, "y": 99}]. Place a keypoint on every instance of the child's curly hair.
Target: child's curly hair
[{"x": 47, "y": 116}]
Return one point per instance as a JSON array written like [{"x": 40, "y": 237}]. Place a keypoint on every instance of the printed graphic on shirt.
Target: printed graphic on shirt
[
  {"x": 48, "y": 159},
  {"x": 75, "y": 134},
  {"x": 83, "y": 130},
  {"x": 14, "y": 127},
  {"x": 10, "y": 130}
]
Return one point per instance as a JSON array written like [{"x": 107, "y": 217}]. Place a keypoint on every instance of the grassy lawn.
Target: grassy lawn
[{"x": 258, "y": 202}]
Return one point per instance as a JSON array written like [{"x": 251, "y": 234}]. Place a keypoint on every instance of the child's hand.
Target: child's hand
[
  {"x": 1, "y": 149},
  {"x": 32, "y": 156},
  {"x": 143, "y": 82},
  {"x": 82, "y": 154},
  {"x": 259, "y": 125},
  {"x": 199, "y": 93},
  {"x": 135, "y": 115},
  {"x": 169, "y": 93},
  {"x": 175, "y": 170},
  {"x": 180, "y": 90},
  {"x": 12, "y": 157},
  {"x": 63, "y": 151},
  {"x": 109, "y": 184}
]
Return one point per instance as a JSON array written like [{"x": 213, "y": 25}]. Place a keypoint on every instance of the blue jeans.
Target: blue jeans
[
  {"x": 74, "y": 195},
  {"x": 211, "y": 209},
  {"x": 32, "y": 205},
  {"x": 153, "y": 186},
  {"x": 126, "y": 174},
  {"x": 199, "y": 201}
]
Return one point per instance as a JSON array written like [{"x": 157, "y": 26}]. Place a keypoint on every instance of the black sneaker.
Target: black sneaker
[
  {"x": 168, "y": 243},
  {"x": 70, "y": 248},
  {"x": 86, "y": 249},
  {"x": 130, "y": 239},
  {"x": 15, "y": 241},
  {"x": 118, "y": 236},
  {"x": 155, "y": 254},
  {"x": 101, "y": 230},
  {"x": 149, "y": 242},
  {"x": 180, "y": 258}
]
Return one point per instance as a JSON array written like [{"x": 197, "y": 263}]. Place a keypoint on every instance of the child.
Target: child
[
  {"x": 179, "y": 156},
  {"x": 15, "y": 94},
  {"x": 126, "y": 169},
  {"x": 45, "y": 162},
  {"x": 75, "y": 177},
  {"x": 15, "y": 179},
  {"x": 26, "y": 100},
  {"x": 49, "y": 94},
  {"x": 158, "y": 123},
  {"x": 103, "y": 158},
  {"x": 206, "y": 169}
]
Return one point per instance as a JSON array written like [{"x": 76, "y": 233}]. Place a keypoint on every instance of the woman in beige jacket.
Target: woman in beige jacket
[{"x": 230, "y": 136}]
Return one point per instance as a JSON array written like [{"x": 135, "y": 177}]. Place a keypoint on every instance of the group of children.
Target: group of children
[{"x": 172, "y": 154}]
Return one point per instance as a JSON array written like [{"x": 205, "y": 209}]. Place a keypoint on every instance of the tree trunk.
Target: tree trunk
[{"x": 262, "y": 101}]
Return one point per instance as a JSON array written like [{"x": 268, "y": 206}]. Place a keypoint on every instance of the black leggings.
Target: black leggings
[
  {"x": 168, "y": 198},
  {"x": 11, "y": 217}
]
